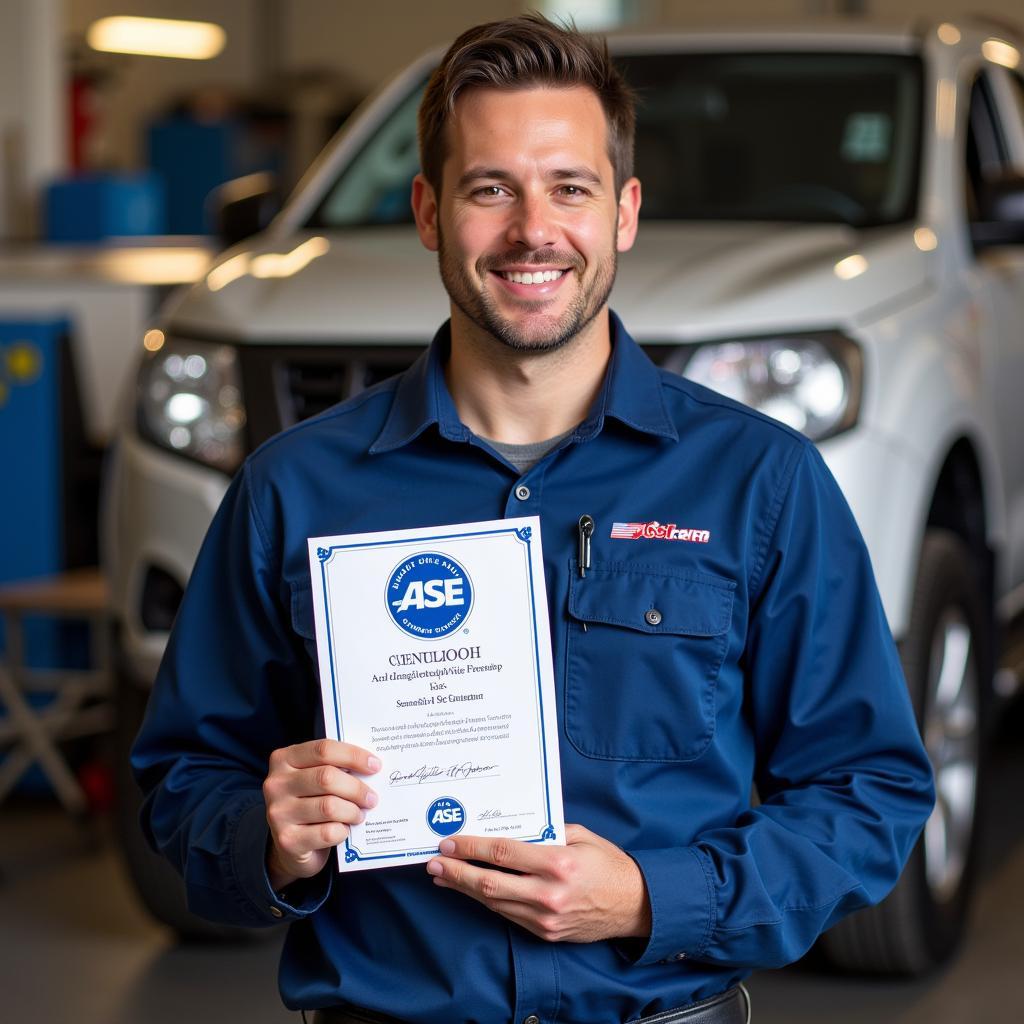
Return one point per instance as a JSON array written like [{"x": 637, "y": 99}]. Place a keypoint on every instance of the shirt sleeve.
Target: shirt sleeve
[
  {"x": 232, "y": 687},
  {"x": 845, "y": 785}
]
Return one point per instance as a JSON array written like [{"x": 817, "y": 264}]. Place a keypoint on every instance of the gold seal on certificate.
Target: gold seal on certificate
[{"x": 434, "y": 653}]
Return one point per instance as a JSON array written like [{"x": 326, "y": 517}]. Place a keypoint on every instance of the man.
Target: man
[{"x": 748, "y": 648}]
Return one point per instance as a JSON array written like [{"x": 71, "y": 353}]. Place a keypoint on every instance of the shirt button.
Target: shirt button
[
  {"x": 522, "y": 493},
  {"x": 532, "y": 1019},
  {"x": 277, "y": 911},
  {"x": 679, "y": 956},
  {"x": 653, "y": 617}
]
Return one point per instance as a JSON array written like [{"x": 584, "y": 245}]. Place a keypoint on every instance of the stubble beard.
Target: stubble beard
[{"x": 550, "y": 333}]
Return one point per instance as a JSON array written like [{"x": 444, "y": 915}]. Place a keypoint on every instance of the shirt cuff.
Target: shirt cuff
[
  {"x": 681, "y": 889},
  {"x": 250, "y": 864}
]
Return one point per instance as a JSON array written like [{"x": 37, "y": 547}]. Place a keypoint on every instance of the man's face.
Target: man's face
[{"x": 528, "y": 189}]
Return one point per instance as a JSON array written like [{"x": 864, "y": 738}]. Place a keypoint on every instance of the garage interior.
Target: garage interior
[{"x": 120, "y": 173}]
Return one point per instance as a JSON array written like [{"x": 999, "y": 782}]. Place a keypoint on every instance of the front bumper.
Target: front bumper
[{"x": 158, "y": 509}]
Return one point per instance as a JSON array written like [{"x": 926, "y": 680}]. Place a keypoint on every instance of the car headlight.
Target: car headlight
[
  {"x": 190, "y": 400},
  {"x": 809, "y": 382}
]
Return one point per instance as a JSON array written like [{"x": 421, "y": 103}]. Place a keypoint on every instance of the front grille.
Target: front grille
[
  {"x": 309, "y": 386},
  {"x": 284, "y": 385}
]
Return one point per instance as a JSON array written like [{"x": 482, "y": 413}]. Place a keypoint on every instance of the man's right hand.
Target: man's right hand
[{"x": 312, "y": 797}]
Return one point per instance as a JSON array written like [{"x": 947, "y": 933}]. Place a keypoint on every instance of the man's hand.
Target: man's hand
[
  {"x": 312, "y": 798},
  {"x": 582, "y": 892}
]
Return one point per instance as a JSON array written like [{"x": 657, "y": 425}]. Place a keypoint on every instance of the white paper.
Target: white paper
[{"x": 435, "y": 654}]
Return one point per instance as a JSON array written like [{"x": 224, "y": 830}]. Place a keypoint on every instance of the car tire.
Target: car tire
[
  {"x": 159, "y": 887},
  {"x": 947, "y": 665}
]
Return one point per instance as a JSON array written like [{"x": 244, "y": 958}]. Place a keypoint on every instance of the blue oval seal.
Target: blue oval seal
[
  {"x": 445, "y": 816},
  {"x": 429, "y": 595}
]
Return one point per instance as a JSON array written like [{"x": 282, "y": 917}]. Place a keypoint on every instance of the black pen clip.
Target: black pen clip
[{"x": 586, "y": 531}]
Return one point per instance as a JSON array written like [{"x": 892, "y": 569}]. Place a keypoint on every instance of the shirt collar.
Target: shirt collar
[{"x": 631, "y": 393}]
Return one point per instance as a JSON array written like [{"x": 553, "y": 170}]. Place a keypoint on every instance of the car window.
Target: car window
[
  {"x": 986, "y": 156},
  {"x": 804, "y": 136},
  {"x": 374, "y": 187},
  {"x": 727, "y": 136}
]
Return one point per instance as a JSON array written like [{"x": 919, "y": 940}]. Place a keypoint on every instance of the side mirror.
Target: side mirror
[
  {"x": 244, "y": 207},
  {"x": 1000, "y": 218}
]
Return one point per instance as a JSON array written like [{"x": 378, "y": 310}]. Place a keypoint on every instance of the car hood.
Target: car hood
[{"x": 681, "y": 281}]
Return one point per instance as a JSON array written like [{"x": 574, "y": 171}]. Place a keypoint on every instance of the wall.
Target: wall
[
  {"x": 369, "y": 42},
  {"x": 32, "y": 122}
]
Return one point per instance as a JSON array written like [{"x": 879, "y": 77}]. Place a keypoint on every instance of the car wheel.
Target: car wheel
[
  {"x": 946, "y": 664},
  {"x": 158, "y": 885}
]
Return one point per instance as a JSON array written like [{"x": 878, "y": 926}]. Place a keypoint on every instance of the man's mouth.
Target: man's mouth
[{"x": 534, "y": 277}]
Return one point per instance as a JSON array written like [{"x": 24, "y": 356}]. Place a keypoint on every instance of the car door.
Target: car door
[{"x": 994, "y": 149}]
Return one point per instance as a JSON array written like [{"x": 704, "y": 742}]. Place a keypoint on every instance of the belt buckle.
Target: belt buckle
[{"x": 684, "y": 1013}]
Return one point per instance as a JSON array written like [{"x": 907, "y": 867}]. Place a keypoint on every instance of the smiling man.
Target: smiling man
[
  {"x": 514, "y": 203},
  {"x": 527, "y": 211},
  {"x": 745, "y": 647}
]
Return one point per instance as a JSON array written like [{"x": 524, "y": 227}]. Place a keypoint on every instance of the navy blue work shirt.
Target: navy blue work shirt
[{"x": 771, "y": 663}]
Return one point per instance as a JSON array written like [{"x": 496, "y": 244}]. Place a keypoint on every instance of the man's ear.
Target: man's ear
[
  {"x": 424, "y": 209},
  {"x": 629, "y": 215}
]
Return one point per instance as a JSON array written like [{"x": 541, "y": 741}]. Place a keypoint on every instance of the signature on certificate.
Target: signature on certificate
[
  {"x": 431, "y": 772},
  {"x": 494, "y": 813}
]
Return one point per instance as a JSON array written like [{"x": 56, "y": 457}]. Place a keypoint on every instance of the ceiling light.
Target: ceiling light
[{"x": 157, "y": 37}]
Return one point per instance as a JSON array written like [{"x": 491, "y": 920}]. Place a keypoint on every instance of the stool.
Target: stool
[{"x": 33, "y": 733}]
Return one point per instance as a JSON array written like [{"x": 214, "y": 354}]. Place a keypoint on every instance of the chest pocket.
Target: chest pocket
[{"x": 643, "y": 654}]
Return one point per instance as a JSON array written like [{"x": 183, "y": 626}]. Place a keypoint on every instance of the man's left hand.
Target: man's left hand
[{"x": 581, "y": 892}]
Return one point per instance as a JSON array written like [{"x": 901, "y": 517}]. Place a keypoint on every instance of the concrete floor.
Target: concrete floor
[{"x": 76, "y": 948}]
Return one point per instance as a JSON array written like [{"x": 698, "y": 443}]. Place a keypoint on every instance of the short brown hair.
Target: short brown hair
[{"x": 517, "y": 53}]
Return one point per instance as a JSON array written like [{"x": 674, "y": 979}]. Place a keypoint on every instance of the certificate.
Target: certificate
[{"x": 435, "y": 654}]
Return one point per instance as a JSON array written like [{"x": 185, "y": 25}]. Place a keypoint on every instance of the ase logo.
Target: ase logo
[
  {"x": 429, "y": 595},
  {"x": 446, "y": 816}
]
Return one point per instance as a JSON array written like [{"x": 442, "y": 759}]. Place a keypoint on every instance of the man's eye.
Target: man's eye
[
  {"x": 572, "y": 191},
  {"x": 488, "y": 191}
]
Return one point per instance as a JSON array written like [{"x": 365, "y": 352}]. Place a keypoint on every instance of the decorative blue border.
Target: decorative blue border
[{"x": 524, "y": 535}]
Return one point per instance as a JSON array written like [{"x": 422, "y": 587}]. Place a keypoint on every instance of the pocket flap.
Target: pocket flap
[
  {"x": 620, "y": 594},
  {"x": 302, "y": 610}
]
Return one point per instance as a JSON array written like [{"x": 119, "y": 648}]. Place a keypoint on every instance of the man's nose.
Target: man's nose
[{"x": 532, "y": 225}]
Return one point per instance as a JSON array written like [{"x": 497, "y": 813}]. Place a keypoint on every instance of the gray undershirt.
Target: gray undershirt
[{"x": 525, "y": 456}]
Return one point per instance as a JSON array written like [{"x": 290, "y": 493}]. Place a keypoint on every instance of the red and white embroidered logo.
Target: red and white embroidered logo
[{"x": 658, "y": 531}]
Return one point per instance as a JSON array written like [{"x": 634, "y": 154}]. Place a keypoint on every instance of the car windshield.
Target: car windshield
[{"x": 826, "y": 137}]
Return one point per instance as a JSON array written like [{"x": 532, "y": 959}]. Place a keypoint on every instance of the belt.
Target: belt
[{"x": 731, "y": 1007}]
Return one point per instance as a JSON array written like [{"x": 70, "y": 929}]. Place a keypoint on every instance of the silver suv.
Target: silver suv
[{"x": 833, "y": 233}]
